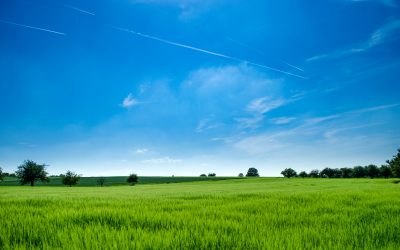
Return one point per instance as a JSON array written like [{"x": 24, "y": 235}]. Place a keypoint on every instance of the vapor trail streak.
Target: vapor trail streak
[
  {"x": 32, "y": 27},
  {"x": 77, "y": 9},
  {"x": 246, "y": 46},
  {"x": 206, "y": 51},
  {"x": 260, "y": 52},
  {"x": 291, "y": 65}
]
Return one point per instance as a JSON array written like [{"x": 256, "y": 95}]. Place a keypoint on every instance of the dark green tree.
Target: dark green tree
[
  {"x": 385, "y": 171},
  {"x": 203, "y": 175},
  {"x": 211, "y": 175},
  {"x": 395, "y": 164},
  {"x": 9, "y": 175},
  {"x": 346, "y": 172},
  {"x": 30, "y": 172},
  {"x": 329, "y": 173},
  {"x": 359, "y": 172},
  {"x": 101, "y": 181},
  {"x": 314, "y": 173},
  {"x": 303, "y": 174},
  {"x": 133, "y": 179},
  {"x": 337, "y": 173},
  {"x": 241, "y": 175},
  {"x": 70, "y": 178},
  {"x": 372, "y": 171},
  {"x": 1, "y": 174},
  {"x": 288, "y": 172},
  {"x": 252, "y": 172}
]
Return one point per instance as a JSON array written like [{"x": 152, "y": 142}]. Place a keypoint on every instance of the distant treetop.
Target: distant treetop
[
  {"x": 252, "y": 172},
  {"x": 288, "y": 172},
  {"x": 70, "y": 178}
]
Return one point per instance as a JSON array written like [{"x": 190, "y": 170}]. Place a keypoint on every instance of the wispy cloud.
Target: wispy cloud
[
  {"x": 207, "y": 52},
  {"x": 310, "y": 129},
  {"x": 227, "y": 139},
  {"x": 189, "y": 9},
  {"x": 163, "y": 160},
  {"x": 330, "y": 135},
  {"x": 250, "y": 122},
  {"x": 257, "y": 108},
  {"x": 33, "y": 27},
  {"x": 129, "y": 101},
  {"x": 375, "y": 108},
  {"x": 141, "y": 151},
  {"x": 378, "y": 37},
  {"x": 78, "y": 9},
  {"x": 282, "y": 120},
  {"x": 316, "y": 120},
  {"x": 264, "y": 104},
  {"x": 229, "y": 88},
  {"x": 207, "y": 124},
  {"x": 263, "y": 143},
  {"x": 320, "y": 119}
]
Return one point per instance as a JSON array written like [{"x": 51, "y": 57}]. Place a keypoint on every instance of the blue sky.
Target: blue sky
[{"x": 184, "y": 87}]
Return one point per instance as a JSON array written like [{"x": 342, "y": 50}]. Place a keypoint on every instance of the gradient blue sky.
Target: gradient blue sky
[{"x": 184, "y": 87}]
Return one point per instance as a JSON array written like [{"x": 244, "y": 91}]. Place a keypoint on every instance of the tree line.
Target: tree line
[
  {"x": 389, "y": 170},
  {"x": 252, "y": 172},
  {"x": 30, "y": 172}
]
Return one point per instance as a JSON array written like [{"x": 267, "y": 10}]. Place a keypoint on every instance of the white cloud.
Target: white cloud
[
  {"x": 233, "y": 81},
  {"x": 257, "y": 108},
  {"x": 129, "y": 101},
  {"x": 315, "y": 120},
  {"x": 312, "y": 130},
  {"x": 141, "y": 151},
  {"x": 227, "y": 140},
  {"x": 232, "y": 92},
  {"x": 331, "y": 134},
  {"x": 263, "y": 143},
  {"x": 264, "y": 104},
  {"x": 372, "y": 109},
  {"x": 250, "y": 122},
  {"x": 189, "y": 9},
  {"x": 207, "y": 124},
  {"x": 163, "y": 160},
  {"x": 378, "y": 37},
  {"x": 282, "y": 120}
]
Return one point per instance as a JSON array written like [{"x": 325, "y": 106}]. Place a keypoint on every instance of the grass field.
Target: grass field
[
  {"x": 117, "y": 180},
  {"x": 259, "y": 213}
]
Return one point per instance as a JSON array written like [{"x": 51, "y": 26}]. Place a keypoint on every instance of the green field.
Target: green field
[{"x": 258, "y": 213}]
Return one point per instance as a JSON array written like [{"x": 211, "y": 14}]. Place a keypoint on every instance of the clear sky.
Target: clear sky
[{"x": 184, "y": 87}]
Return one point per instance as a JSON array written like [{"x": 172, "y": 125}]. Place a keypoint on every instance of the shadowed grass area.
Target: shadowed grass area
[{"x": 249, "y": 213}]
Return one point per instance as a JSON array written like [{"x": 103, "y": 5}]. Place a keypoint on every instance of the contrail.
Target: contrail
[
  {"x": 206, "y": 51},
  {"x": 260, "y": 52},
  {"x": 291, "y": 65},
  {"x": 246, "y": 46},
  {"x": 77, "y": 9},
  {"x": 32, "y": 27}
]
